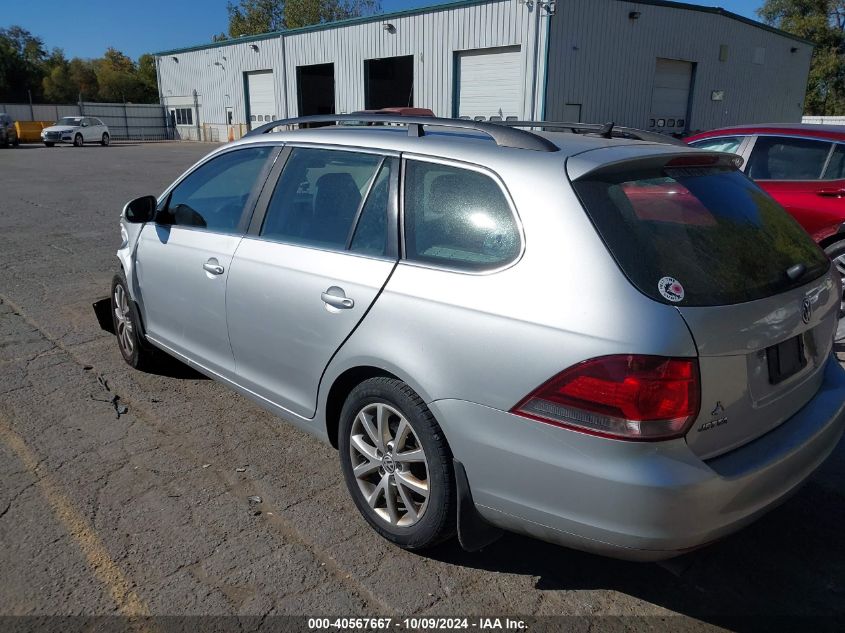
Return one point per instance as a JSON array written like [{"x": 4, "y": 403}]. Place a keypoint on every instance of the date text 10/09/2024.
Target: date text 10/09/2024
[{"x": 425, "y": 623}]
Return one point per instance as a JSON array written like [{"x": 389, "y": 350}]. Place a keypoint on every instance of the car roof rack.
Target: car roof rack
[
  {"x": 504, "y": 136},
  {"x": 606, "y": 130}
]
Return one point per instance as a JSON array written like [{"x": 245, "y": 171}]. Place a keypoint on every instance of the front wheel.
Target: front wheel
[
  {"x": 78, "y": 141},
  {"x": 836, "y": 252},
  {"x": 127, "y": 327},
  {"x": 397, "y": 464},
  {"x": 105, "y": 140},
  {"x": 48, "y": 144}
]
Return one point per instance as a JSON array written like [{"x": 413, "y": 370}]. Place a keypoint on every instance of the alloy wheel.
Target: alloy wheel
[
  {"x": 389, "y": 464},
  {"x": 123, "y": 321}
]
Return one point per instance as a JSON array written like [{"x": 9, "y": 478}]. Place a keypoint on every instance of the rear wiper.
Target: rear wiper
[{"x": 796, "y": 272}]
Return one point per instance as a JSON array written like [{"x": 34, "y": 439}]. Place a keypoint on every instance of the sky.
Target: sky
[{"x": 87, "y": 28}]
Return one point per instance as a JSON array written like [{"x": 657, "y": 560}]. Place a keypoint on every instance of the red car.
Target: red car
[{"x": 800, "y": 166}]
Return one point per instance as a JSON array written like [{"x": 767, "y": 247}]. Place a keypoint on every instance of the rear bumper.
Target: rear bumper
[{"x": 639, "y": 501}]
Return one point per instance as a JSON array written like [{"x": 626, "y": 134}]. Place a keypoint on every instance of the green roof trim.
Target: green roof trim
[{"x": 445, "y": 6}]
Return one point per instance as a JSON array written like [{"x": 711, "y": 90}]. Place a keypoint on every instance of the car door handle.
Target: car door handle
[
  {"x": 831, "y": 193},
  {"x": 213, "y": 267},
  {"x": 337, "y": 299}
]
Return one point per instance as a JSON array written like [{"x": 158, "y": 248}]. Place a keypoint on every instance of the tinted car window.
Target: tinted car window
[
  {"x": 457, "y": 218},
  {"x": 776, "y": 158},
  {"x": 836, "y": 167},
  {"x": 214, "y": 195},
  {"x": 371, "y": 233},
  {"x": 710, "y": 229},
  {"x": 724, "y": 144},
  {"x": 318, "y": 196}
]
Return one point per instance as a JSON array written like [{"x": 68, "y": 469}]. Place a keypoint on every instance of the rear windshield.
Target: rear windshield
[{"x": 698, "y": 236}]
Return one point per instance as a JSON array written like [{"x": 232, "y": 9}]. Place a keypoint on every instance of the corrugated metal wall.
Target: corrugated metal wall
[
  {"x": 597, "y": 57},
  {"x": 604, "y": 60}
]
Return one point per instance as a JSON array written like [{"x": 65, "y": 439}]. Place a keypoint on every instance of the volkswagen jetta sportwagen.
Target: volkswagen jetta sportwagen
[{"x": 615, "y": 345}]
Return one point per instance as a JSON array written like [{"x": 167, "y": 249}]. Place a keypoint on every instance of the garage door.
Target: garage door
[
  {"x": 670, "y": 97},
  {"x": 490, "y": 83},
  {"x": 261, "y": 97}
]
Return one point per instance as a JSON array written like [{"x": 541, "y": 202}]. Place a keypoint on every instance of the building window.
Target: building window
[{"x": 184, "y": 116}]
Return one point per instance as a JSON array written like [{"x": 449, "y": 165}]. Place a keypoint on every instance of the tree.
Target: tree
[
  {"x": 147, "y": 78},
  {"x": 300, "y": 13},
  {"x": 58, "y": 84},
  {"x": 251, "y": 17},
  {"x": 823, "y": 23},
  {"x": 117, "y": 77},
  {"x": 84, "y": 77},
  {"x": 254, "y": 17},
  {"x": 22, "y": 58}
]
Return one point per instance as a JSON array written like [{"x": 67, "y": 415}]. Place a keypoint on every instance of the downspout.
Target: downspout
[
  {"x": 546, "y": 63},
  {"x": 535, "y": 61},
  {"x": 161, "y": 99},
  {"x": 284, "y": 76}
]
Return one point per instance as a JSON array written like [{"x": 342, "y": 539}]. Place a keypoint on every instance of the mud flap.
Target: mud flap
[
  {"x": 102, "y": 310},
  {"x": 474, "y": 533}
]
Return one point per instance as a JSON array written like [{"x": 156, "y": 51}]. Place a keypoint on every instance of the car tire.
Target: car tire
[
  {"x": 127, "y": 327},
  {"x": 405, "y": 485},
  {"x": 105, "y": 140},
  {"x": 836, "y": 252},
  {"x": 16, "y": 142},
  {"x": 78, "y": 141},
  {"x": 46, "y": 144}
]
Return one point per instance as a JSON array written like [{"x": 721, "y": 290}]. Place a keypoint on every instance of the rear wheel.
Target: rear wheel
[
  {"x": 78, "y": 141},
  {"x": 16, "y": 142},
  {"x": 105, "y": 140},
  {"x": 127, "y": 327},
  {"x": 397, "y": 464},
  {"x": 836, "y": 252},
  {"x": 48, "y": 144}
]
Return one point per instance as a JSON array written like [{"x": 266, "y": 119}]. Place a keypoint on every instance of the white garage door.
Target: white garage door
[
  {"x": 490, "y": 83},
  {"x": 670, "y": 97},
  {"x": 261, "y": 98}
]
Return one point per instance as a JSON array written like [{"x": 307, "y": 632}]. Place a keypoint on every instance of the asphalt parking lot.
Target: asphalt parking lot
[{"x": 147, "y": 512}]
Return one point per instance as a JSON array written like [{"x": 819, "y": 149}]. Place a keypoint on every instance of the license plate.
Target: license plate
[{"x": 786, "y": 359}]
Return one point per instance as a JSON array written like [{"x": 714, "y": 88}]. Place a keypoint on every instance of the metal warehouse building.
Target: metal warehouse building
[{"x": 655, "y": 65}]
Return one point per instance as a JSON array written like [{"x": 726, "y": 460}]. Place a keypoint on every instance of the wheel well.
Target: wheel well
[{"x": 341, "y": 388}]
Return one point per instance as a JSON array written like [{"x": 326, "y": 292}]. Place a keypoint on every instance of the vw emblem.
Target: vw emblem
[{"x": 806, "y": 310}]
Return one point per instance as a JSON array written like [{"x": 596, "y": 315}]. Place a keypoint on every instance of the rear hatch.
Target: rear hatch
[{"x": 758, "y": 295}]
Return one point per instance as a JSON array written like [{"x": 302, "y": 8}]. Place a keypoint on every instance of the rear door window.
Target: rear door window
[
  {"x": 781, "y": 158},
  {"x": 457, "y": 218},
  {"x": 318, "y": 197},
  {"x": 697, "y": 236},
  {"x": 835, "y": 169}
]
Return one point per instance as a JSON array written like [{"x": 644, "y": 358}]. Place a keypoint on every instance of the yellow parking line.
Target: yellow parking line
[{"x": 101, "y": 564}]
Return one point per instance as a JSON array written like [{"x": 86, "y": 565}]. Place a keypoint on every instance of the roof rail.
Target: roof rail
[
  {"x": 607, "y": 130},
  {"x": 504, "y": 136}
]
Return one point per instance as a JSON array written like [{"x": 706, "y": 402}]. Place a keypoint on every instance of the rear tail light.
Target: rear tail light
[{"x": 628, "y": 397}]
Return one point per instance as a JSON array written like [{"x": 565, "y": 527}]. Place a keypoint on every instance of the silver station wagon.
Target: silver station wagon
[{"x": 616, "y": 345}]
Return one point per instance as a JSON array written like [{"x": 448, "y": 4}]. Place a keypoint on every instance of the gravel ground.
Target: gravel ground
[{"x": 146, "y": 513}]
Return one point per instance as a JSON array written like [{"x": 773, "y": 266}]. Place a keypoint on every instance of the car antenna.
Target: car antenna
[{"x": 607, "y": 130}]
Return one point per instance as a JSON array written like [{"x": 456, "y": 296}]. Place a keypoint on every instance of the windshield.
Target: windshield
[
  {"x": 698, "y": 236},
  {"x": 69, "y": 120}
]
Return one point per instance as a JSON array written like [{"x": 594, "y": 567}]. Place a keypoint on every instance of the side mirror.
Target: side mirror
[{"x": 140, "y": 210}]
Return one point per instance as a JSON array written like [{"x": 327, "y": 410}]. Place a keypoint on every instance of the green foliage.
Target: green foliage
[
  {"x": 251, "y": 17},
  {"x": 254, "y": 17},
  {"x": 26, "y": 66},
  {"x": 823, "y": 23}
]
